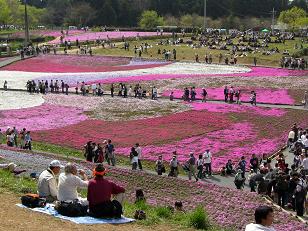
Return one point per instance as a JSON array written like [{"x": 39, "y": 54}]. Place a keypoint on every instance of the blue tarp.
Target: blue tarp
[{"x": 49, "y": 210}]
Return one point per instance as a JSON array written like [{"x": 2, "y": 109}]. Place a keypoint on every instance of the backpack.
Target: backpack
[
  {"x": 33, "y": 201},
  {"x": 140, "y": 215},
  {"x": 72, "y": 209}
]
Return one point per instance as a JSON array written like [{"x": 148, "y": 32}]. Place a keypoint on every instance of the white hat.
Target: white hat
[
  {"x": 11, "y": 166},
  {"x": 55, "y": 163}
]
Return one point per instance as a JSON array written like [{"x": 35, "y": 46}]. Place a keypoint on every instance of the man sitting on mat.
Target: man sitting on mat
[{"x": 100, "y": 191}]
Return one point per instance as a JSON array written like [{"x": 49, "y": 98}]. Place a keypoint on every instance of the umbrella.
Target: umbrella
[{"x": 265, "y": 30}]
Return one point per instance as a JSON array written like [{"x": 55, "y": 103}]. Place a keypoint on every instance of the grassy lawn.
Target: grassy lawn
[{"x": 186, "y": 53}]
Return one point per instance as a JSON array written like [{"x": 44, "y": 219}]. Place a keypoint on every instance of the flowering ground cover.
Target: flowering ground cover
[
  {"x": 76, "y": 64},
  {"x": 248, "y": 130},
  {"x": 273, "y": 96},
  {"x": 41, "y": 117},
  {"x": 92, "y": 36},
  {"x": 46, "y": 33}
]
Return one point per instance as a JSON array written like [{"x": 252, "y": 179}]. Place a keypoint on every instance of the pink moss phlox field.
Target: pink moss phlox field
[
  {"x": 80, "y": 64},
  {"x": 223, "y": 205},
  {"x": 255, "y": 72},
  {"x": 91, "y": 36},
  {"x": 273, "y": 96},
  {"x": 227, "y": 108},
  {"x": 43, "y": 117}
]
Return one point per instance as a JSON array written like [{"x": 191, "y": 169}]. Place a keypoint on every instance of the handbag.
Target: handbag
[
  {"x": 72, "y": 209},
  {"x": 33, "y": 201}
]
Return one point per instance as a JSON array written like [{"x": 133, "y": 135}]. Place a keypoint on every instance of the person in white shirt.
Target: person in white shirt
[
  {"x": 305, "y": 164},
  {"x": 69, "y": 182},
  {"x": 291, "y": 138},
  {"x": 139, "y": 151},
  {"x": 305, "y": 143},
  {"x": 207, "y": 160},
  {"x": 47, "y": 182},
  {"x": 264, "y": 218}
]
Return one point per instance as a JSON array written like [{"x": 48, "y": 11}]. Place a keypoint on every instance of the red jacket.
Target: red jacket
[{"x": 101, "y": 190}]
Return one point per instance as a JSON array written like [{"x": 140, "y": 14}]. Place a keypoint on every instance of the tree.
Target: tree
[
  {"x": 4, "y": 12},
  {"x": 150, "y": 19},
  {"x": 293, "y": 17},
  {"x": 106, "y": 15},
  {"x": 80, "y": 14}
]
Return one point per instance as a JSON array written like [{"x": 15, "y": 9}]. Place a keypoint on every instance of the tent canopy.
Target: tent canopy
[{"x": 265, "y": 30}]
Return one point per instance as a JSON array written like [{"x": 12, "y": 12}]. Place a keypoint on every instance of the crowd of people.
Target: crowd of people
[
  {"x": 231, "y": 95},
  {"x": 14, "y": 138},
  {"x": 285, "y": 184}
]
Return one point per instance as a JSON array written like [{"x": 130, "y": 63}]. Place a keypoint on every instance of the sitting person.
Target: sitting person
[
  {"x": 99, "y": 196},
  {"x": 69, "y": 182},
  {"x": 229, "y": 168},
  {"x": 264, "y": 219},
  {"x": 11, "y": 167},
  {"x": 47, "y": 182}
]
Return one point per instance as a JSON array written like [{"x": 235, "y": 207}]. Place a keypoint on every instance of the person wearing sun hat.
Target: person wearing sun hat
[
  {"x": 99, "y": 196},
  {"x": 47, "y": 182}
]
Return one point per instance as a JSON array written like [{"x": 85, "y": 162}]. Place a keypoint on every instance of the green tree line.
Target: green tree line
[{"x": 128, "y": 12}]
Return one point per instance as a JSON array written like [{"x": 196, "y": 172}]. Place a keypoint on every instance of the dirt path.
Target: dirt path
[{"x": 14, "y": 218}]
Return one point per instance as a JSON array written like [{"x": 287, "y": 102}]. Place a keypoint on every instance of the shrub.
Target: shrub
[
  {"x": 163, "y": 212},
  {"x": 198, "y": 219}
]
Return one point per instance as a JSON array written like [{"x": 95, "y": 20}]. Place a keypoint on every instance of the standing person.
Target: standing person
[
  {"x": 191, "y": 163},
  {"x": 99, "y": 196},
  {"x": 254, "y": 163},
  {"x": 200, "y": 167},
  {"x": 226, "y": 93},
  {"x": 207, "y": 160},
  {"x": 281, "y": 189},
  {"x": 139, "y": 151},
  {"x": 22, "y": 138},
  {"x": 264, "y": 219},
  {"x": 111, "y": 155},
  {"x": 134, "y": 158},
  {"x": 5, "y": 85},
  {"x": 112, "y": 90},
  {"x": 255, "y": 61},
  {"x": 174, "y": 164},
  {"x": 62, "y": 86},
  {"x": 242, "y": 166},
  {"x": 66, "y": 88},
  {"x": 28, "y": 141},
  {"x": 159, "y": 166},
  {"x": 204, "y": 94},
  {"x": 238, "y": 96},
  {"x": 15, "y": 132},
  {"x": 220, "y": 58},
  {"x": 306, "y": 100},
  {"x": 300, "y": 196},
  {"x": 231, "y": 94},
  {"x": 88, "y": 154}
]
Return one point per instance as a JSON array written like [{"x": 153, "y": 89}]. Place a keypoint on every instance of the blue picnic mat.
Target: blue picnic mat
[{"x": 49, "y": 210}]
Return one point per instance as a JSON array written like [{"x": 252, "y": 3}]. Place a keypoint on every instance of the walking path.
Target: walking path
[{"x": 9, "y": 61}]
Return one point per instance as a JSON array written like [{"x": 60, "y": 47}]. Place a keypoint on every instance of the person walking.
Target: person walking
[
  {"x": 134, "y": 158},
  {"x": 159, "y": 166},
  {"x": 110, "y": 154},
  {"x": 191, "y": 163},
  {"x": 139, "y": 152},
  {"x": 207, "y": 160},
  {"x": 174, "y": 164},
  {"x": 306, "y": 100}
]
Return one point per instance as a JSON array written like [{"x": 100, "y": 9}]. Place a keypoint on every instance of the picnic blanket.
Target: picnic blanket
[{"x": 50, "y": 210}]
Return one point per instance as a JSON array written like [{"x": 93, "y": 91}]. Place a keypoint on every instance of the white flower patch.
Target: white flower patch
[{"x": 17, "y": 100}]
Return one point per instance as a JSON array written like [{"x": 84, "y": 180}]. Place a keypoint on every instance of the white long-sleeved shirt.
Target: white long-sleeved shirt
[
  {"x": 67, "y": 187},
  {"x": 47, "y": 184},
  {"x": 257, "y": 227}
]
